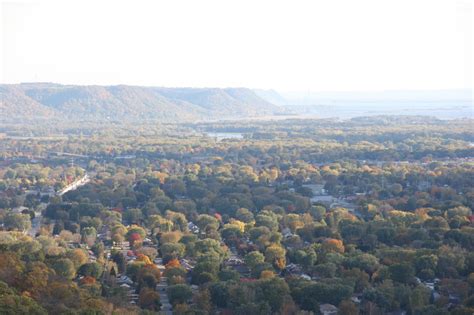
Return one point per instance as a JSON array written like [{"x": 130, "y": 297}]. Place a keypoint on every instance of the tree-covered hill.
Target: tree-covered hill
[{"x": 122, "y": 102}]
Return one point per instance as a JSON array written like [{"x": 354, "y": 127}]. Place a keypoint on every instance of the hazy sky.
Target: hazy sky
[{"x": 287, "y": 45}]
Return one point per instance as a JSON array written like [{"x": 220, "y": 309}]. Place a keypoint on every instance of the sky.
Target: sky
[{"x": 364, "y": 45}]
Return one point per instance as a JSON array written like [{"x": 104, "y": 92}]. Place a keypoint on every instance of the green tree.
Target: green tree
[
  {"x": 149, "y": 299},
  {"x": 92, "y": 269},
  {"x": 11, "y": 303},
  {"x": 64, "y": 267},
  {"x": 89, "y": 235},
  {"x": 207, "y": 223},
  {"x": 274, "y": 291},
  {"x": 403, "y": 272},
  {"x": 254, "y": 258},
  {"x": 364, "y": 261},
  {"x": 172, "y": 250},
  {"x": 17, "y": 221},
  {"x": 179, "y": 293}
]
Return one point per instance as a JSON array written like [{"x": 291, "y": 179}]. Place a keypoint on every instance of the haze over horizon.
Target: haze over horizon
[{"x": 312, "y": 46}]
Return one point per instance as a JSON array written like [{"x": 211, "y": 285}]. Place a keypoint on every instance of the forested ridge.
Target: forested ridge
[{"x": 40, "y": 101}]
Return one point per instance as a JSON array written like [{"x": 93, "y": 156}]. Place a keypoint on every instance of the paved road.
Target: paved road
[
  {"x": 36, "y": 222},
  {"x": 166, "y": 307},
  {"x": 75, "y": 185}
]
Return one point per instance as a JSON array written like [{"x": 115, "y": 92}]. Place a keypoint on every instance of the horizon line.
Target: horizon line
[{"x": 471, "y": 90}]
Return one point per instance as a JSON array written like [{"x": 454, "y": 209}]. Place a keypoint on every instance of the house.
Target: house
[
  {"x": 147, "y": 242},
  {"x": 305, "y": 276},
  {"x": 234, "y": 261},
  {"x": 186, "y": 264},
  {"x": 454, "y": 299},
  {"x": 435, "y": 296},
  {"x": 317, "y": 189},
  {"x": 20, "y": 209},
  {"x": 430, "y": 285},
  {"x": 328, "y": 309},
  {"x": 326, "y": 200},
  {"x": 193, "y": 228},
  {"x": 125, "y": 280},
  {"x": 287, "y": 233},
  {"x": 243, "y": 270},
  {"x": 356, "y": 298},
  {"x": 292, "y": 269}
]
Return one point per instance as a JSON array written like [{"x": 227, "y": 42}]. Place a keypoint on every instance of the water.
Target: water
[
  {"x": 225, "y": 135},
  {"x": 351, "y": 109}
]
